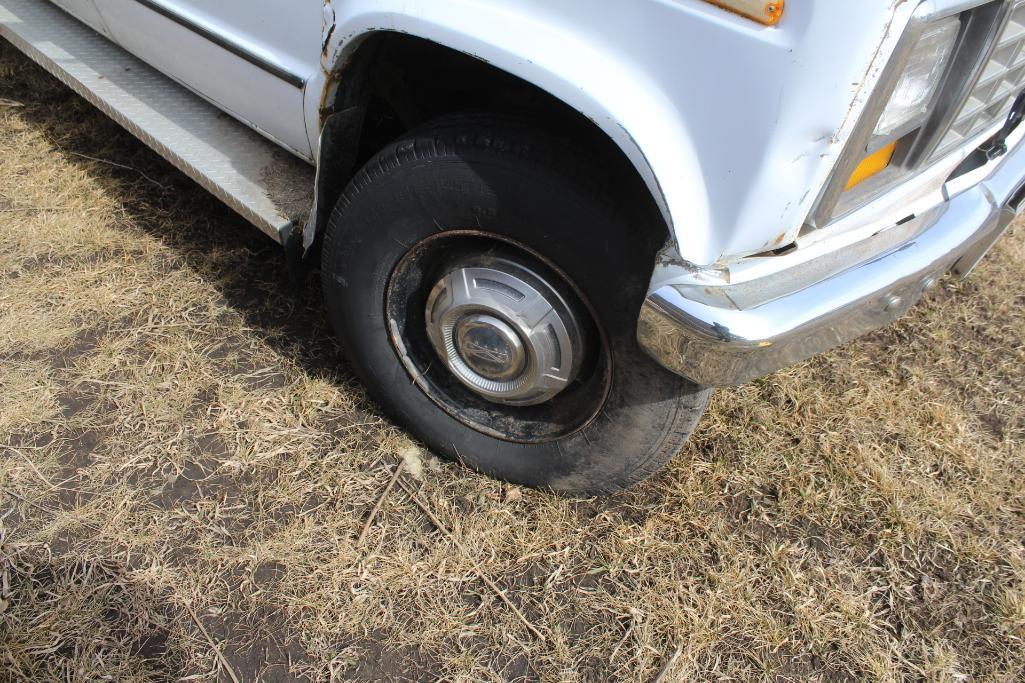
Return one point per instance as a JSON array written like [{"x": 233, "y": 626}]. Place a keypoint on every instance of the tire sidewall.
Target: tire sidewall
[{"x": 393, "y": 207}]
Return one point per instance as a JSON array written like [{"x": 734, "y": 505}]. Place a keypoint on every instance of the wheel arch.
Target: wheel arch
[{"x": 361, "y": 56}]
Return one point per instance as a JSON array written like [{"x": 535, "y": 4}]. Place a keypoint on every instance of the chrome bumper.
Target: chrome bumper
[{"x": 719, "y": 347}]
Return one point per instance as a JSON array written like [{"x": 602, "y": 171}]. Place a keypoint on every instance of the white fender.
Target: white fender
[{"x": 734, "y": 126}]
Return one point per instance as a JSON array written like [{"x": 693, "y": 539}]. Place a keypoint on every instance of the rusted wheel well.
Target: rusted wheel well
[{"x": 394, "y": 82}]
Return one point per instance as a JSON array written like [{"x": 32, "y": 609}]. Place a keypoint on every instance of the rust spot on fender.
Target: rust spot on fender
[{"x": 328, "y": 28}]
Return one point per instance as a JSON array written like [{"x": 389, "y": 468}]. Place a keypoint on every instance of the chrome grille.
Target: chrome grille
[{"x": 1003, "y": 77}]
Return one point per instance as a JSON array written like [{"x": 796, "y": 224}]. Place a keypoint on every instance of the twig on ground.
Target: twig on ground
[
  {"x": 32, "y": 465},
  {"x": 25, "y": 500},
  {"x": 477, "y": 568},
  {"x": 634, "y": 617},
  {"x": 206, "y": 634},
  {"x": 377, "y": 505},
  {"x": 114, "y": 163},
  {"x": 669, "y": 665},
  {"x": 10, "y": 103},
  {"x": 117, "y": 165}
]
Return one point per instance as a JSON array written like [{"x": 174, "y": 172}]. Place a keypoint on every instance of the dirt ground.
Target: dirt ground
[{"x": 186, "y": 466}]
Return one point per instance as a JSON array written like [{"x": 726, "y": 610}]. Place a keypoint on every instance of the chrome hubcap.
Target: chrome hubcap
[
  {"x": 491, "y": 348},
  {"x": 504, "y": 332}
]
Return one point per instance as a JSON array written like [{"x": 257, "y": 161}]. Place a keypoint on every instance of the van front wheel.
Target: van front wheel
[{"x": 486, "y": 290}]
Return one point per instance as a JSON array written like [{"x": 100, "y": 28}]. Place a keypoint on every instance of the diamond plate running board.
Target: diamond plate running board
[{"x": 264, "y": 183}]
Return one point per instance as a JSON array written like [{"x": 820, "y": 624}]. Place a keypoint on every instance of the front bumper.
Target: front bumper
[{"x": 718, "y": 346}]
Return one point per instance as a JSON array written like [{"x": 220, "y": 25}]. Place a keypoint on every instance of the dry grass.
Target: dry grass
[{"x": 180, "y": 443}]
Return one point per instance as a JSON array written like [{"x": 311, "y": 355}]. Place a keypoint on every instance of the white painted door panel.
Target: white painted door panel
[{"x": 252, "y": 59}]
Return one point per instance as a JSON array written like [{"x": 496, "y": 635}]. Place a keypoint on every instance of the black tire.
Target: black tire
[{"x": 527, "y": 190}]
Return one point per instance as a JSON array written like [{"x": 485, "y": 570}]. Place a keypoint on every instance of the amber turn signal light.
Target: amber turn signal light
[
  {"x": 872, "y": 164},
  {"x": 766, "y": 12}
]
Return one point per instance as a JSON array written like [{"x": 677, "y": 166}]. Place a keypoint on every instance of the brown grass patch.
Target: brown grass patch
[{"x": 179, "y": 435}]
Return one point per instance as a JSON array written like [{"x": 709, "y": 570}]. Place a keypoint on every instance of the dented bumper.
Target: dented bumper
[{"x": 720, "y": 346}]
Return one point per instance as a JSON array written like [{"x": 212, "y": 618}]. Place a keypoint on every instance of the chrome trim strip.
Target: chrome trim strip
[
  {"x": 718, "y": 346},
  {"x": 226, "y": 43}
]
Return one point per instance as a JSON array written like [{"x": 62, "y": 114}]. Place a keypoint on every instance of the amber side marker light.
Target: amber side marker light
[
  {"x": 872, "y": 164},
  {"x": 766, "y": 12}
]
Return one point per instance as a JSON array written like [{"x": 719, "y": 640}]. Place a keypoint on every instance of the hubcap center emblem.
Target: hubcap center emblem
[{"x": 490, "y": 347}]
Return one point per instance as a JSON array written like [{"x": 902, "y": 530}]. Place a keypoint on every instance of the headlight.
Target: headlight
[
  {"x": 946, "y": 51},
  {"x": 927, "y": 63},
  {"x": 909, "y": 96},
  {"x": 911, "y": 99}
]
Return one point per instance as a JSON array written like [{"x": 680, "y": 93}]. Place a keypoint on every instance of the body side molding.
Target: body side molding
[{"x": 227, "y": 43}]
